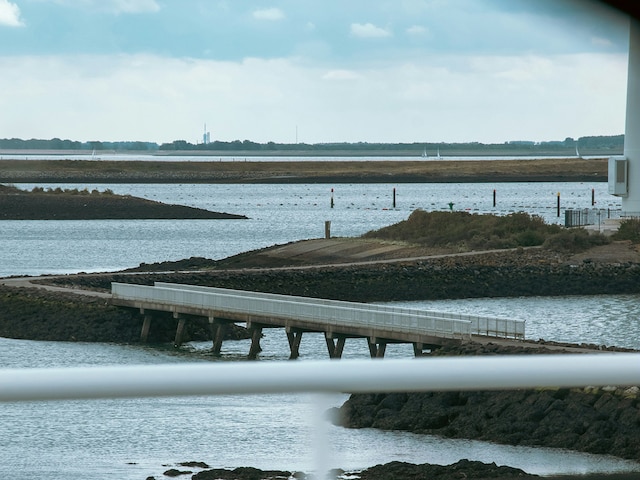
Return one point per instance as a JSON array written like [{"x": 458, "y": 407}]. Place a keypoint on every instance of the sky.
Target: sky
[{"x": 312, "y": 71}]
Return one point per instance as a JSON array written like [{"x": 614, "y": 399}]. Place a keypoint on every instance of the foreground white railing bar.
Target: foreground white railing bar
[{"x": 350, "y": 376}]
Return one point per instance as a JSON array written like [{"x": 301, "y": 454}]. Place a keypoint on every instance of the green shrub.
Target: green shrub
[
  {"x": 629, "y": 230},
  {"x": 468, "y": 231},
  {"x": 574, "y": 240}
]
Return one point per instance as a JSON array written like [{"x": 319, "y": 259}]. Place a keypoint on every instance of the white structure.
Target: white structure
[{"x": 624, "y": 172}]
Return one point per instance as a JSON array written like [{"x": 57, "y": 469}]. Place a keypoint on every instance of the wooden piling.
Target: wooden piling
[
  {"x": 179, "y": 331},
  {"x": 146, "y": 325},
  {"x": 376, "y": 349},
  {"x": 256, "y": 335},
  {"x": 336, "y": 347},
  {"x": 219, "y": 337},
  {"x": 295, "y": 337}
]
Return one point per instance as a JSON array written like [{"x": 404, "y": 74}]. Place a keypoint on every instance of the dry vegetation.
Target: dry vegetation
[{"x": 381, "y": 171}]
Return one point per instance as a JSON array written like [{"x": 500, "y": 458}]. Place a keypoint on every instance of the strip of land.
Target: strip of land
[
  {"x": 16, "y": 204},
  {"x": 368, "y": 171}
]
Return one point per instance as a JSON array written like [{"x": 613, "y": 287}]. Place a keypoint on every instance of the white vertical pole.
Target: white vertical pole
[{"x": 631, "y": 202}]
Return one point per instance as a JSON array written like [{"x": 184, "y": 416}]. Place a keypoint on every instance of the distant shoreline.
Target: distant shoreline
[{"x": 311, "y": 171}]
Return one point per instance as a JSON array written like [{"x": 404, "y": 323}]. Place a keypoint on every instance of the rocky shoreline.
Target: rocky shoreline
[{"x": 463, "y": 469}]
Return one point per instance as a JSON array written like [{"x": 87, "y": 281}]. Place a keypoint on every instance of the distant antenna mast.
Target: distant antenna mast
[{"x": 206, "y": 136}]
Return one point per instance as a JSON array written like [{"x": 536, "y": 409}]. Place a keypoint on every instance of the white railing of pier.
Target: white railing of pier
[
  {"x": 351, "y": 376},
  {"x": 317, "y": 314},
  {"x": 479, "y": 325}
]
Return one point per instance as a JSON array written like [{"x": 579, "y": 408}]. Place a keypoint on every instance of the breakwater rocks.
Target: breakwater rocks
[
  {"x": 38, "y": 314},
  {"x": 390, "y": 471},
  {"x": 498, "y": 274},
  {"x": 595, "y": 420}
]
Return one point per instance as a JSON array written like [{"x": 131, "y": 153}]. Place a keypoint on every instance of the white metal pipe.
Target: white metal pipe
[{"x": 352, "y": 376}]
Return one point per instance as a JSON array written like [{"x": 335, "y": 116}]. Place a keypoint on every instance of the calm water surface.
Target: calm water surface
[{"x": 132, "y": 439}]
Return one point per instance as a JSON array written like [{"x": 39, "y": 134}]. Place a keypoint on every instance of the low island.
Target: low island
[{"x": 59, "y": 204}]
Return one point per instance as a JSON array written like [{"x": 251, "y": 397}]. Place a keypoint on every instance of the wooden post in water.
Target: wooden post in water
[
  {"x": 593, "y": 197},
  {"x": 256, "y": 334},
  {"x": 558, "y": 205},
  {"x": 179, "y": 330},
  {"x": 220, "y": 326},
  {"x": 376, "y": 348},
  {"x": 146, "y": 325},
  {"x": 332, "y": 198},
  {"x": 394, "y": 197},
  {"x": 327, "y": 229},
  {"x": 294, "y": 336},
  {"x": 335, "y": 348},
  {"x": 494, "y": 197}
]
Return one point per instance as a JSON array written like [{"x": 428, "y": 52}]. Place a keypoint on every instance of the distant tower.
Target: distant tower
[{"x": 206, "y": 136}]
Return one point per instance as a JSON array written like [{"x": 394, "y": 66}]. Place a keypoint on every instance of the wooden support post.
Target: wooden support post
[
  {"x": 256, "y": 335},
  {"x": 418, "y": 349},
  {"x": 373, "y": 348},
  {"x": 331, "y": 347},
  {"x": 376, "y": 349},
  {"x": 335, "y": 348},
  {"x": 146, "y": 325},
  {"x": 219, "y": 337},
  {"x": 295, "y": 337},
  {"x": 340, "y": 347},
  {"x": 179, "y": 331},
  {"x": 212, "y": 328}
]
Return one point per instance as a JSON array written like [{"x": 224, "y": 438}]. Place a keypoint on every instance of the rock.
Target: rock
[
  {"x": 241, "y": 473},
  {"x": 172, "y": 472},
  {"x": 464, "y": 469}
]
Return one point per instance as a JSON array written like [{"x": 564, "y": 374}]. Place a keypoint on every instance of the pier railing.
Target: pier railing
[{"x": 478, "y": 324}]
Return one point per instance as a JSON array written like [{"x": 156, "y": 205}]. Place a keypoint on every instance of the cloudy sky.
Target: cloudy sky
[{"x": 311, "y": 70}]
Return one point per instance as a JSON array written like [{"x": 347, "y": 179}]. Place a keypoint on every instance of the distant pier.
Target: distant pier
[{"x": 380, "y": 325}]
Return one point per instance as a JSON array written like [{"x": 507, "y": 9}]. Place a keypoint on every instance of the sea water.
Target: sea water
[{"x": 136, "y": 438}]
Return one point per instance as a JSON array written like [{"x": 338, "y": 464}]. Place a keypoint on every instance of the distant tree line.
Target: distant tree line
[
  {"x": 591, "y": 143},
  {"x": 613, "y": 143},
  {"x": 58, "y": 144}
]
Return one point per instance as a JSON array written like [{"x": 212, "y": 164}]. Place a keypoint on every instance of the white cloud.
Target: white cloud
[
  {"x": 10, "y": 14},
  {"x": 113, "y": 6},
  {"x": 271, "y": 14},
  {"x": 416, "y": 30},
  {"x": 451, "y": 99},
  {"x": 368, "y": 30}
]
